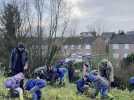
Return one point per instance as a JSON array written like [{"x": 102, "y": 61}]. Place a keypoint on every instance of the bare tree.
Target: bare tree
[
  {"x": 92, "y": 29},
  {"x": 10, "y": 22},
  {"x": 96, "y": 29},
  {"x": 39, "y": 7},
  {"x": 27, "y": 17},
  {"x": 56, "y": 12},
  {"x": 58, "y": 19}
]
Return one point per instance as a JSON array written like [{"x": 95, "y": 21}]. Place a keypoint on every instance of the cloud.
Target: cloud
[{"x": 114, "y": 14}]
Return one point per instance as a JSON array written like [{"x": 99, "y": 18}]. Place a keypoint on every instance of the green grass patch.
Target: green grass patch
[{"x": 66, "y": 93}]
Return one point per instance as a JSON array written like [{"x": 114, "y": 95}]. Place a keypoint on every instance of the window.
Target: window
[
  {"x": 125, "y": 55},
  {"x": 116, "y": 55},
  {"x": 115, "y": 46},
  {"x": 87, "y": 47},
  {"x": 126, "y": 46}
]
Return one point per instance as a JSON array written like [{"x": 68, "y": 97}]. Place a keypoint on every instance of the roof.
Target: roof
[
  {"x": 130, "y": 32},
  {"x": 79, "y": 40},
  {"x": 107, "y": 35},
  {"x": 73, "y": 41},
  {"x": 88, "y": 40},
  {"x": 67, "y": 40},
  {"x": 87, "y": 33},
  {"x": 122, "y": 39}
]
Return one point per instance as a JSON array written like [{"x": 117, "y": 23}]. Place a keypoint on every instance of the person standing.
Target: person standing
[
  {"x": 18, "y": 59},
  {"x": 85, "y": 70},
  {"x": 71, "y": 71}
]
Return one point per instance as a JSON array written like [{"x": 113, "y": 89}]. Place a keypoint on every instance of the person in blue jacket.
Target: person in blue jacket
[
  {"x": 100, "y": 84},
  {"x": 13, "y": 83},
  {"x": 80, "y": 85},
  {"x": 35, "y": 86},
  {"x": 61, "y": 74},
  {"x": 131, "y": 84}
]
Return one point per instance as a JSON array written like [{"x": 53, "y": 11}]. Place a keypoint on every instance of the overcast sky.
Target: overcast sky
[{"x": 111, "y": 14}]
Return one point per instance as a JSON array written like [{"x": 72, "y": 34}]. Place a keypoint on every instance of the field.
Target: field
[{"x": 67, "y": 93}]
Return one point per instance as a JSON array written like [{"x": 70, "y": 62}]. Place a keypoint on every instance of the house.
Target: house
[
  {"x": 69, "y": 46},
  {"x": 78, "y": 45},
  {"x": 130, "y": 32},
  {"x": 121, "y": 45},
  {"x": 87, "y": 34},
  {"x": 107, "y": 35}
]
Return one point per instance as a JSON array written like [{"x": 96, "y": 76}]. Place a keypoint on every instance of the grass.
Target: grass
[{"x": 67, "y": 93}]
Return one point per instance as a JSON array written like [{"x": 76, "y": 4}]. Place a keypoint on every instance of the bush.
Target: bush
[
  {"x": 119, "y": 83},
  {"x": 78, "y": 65},
  {"x": 129, "y": 59},
  {"x": 124, "y": 72}
]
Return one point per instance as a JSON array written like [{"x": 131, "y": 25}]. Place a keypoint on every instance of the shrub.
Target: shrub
[{"x": 78, "y": 65}]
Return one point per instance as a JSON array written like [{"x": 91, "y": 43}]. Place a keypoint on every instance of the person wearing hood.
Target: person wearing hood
[
  {"x": 106, "y": 70},
  {"x": 100, "y": 84},
  {"x": 13, "y": 83},
  {"x": 61, "y": 74},
  {"x": 33, "y": 86}
]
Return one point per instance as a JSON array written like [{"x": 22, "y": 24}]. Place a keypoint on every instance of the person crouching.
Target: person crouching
[
  {"x": 131, "y": 84},
  {"x": 61, "y": 75},
  {"x": 34, "y": 86},
  {"x": 13, "y": 83},
  {"x": 80, "y": 86},
  {"x": 100, "y": 84}
]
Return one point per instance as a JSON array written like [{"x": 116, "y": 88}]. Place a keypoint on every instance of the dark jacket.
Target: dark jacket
[{"x": 18, "y": 60}]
